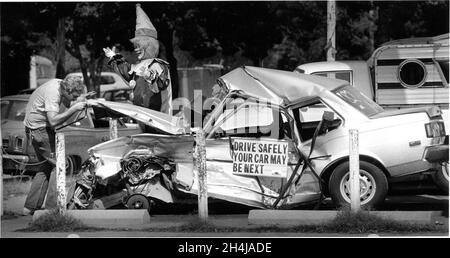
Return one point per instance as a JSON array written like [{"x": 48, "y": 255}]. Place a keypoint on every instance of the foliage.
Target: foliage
[{"x": 277, "y": 34}]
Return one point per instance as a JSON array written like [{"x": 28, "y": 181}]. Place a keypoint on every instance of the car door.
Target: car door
[{"x": 246, "y": 120}]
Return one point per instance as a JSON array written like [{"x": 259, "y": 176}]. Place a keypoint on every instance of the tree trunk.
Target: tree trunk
[
  {"x": 373, "y": 18},
  {"x": 84, "y": 71},
  {"x": 60, "y": 48},
  {"x": 98, "y": 73},
  {"x": 167, "y": 40}
]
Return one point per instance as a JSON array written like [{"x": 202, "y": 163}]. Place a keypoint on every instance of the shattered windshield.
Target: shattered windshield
[{"x": 359, "y": 101}]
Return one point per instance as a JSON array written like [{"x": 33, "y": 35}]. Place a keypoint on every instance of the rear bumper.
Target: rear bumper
[
  {"x": 435, "y": 154},
  {"x": 20, "y": 162},
  {"x": 19, "y": 158}
]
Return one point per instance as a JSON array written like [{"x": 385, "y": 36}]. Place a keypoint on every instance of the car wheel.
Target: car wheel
[
  {"x": 138, "y": 201},
  {"x": 373, "y": 185},
  {"x": 440, "y": 178}
]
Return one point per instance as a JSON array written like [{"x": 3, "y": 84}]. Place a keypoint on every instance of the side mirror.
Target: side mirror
[
  {"x": 328, "y": 116},
  {"x": 327, "y": 120}
]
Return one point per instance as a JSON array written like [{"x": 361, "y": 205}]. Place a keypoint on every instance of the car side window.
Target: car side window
[
  {"x": 341, "y": 75},
  {"x": 17, "y": 110},
  {"x": 308, "y": 117},
  {"x": 4, "y": 109},
  {"x": 106, "y": 79},
  {"x": 444, "y": 65},
  {"x": 253, "y": 120},
  {"x": 107, "y": 95}
]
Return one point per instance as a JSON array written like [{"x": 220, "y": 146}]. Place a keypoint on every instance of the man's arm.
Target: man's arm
[{"x": 55, "y": 118}]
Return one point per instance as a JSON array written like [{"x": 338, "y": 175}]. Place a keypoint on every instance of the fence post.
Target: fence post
[
  {"x": 202, "y": 176},
  {"x": 112, "y": 128},
  {"x": 354, "y": 171},
  {"x": 1, "y": 180},
  {"x": 61, "y": 172}
]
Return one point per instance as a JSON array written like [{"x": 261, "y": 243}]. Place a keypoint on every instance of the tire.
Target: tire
[
  {"x": 373, "y": 183},
  {"x": 138, "y": 201},
  {"x": 440, "y": 178}
]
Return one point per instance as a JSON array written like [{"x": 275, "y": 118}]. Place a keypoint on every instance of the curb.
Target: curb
[
  {"x": 105, "y": 218},
  {"x": 302, "y": 217}
]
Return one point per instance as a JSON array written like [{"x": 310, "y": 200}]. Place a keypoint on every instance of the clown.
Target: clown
[{"x": 150, "y": 77}]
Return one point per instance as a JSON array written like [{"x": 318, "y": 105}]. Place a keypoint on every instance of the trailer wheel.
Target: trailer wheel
[{"x": 373, "y": 185}]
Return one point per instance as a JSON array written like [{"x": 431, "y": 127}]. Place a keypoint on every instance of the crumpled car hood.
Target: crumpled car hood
[
  {"x": 161, "y": 121},
  {"x": 178, "y": 148}
]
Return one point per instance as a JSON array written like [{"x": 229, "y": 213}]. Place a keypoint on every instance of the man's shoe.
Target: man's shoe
[{"x": 27, "y": 212}]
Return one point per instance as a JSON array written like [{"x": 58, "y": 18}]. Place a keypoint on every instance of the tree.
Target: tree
[{"x": 19, "y": 40}]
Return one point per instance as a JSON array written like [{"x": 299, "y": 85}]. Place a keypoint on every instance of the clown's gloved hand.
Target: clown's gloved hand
[{"x": 110, "y": 52}]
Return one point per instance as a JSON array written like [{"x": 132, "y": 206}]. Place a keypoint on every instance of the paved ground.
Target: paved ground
[
  {"x": 236, "y": 216},
  {"x": 10, "y": 227}
]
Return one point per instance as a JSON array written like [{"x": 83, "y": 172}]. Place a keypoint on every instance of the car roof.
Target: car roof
[
  {"x": 17, "y": 97},
  {"x": 277, "y": 86},
  {"x": 439, "y": 39},
  {"x": 103, "y": 73},
  {"x": 354, "y": 65}
]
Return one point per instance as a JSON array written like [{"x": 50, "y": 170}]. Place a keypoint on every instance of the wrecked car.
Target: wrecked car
[{"x": 265, "y": 106}]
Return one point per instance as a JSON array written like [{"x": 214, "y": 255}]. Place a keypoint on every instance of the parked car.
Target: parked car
[
  {"x": 82, "y": 131},
  {"x": 266, "y": 104},
  {"x": 109, "y": 82},
  {"x": 121, "y": 95}
]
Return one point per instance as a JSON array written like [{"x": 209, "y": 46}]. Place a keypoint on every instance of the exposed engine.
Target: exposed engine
[
  {"x": 139, "y": 168},
  {"x": 141, "y": 173},
  {"x": 140, "y": 165}
]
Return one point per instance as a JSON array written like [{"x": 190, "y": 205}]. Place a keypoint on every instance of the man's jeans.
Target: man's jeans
[{"x": 43, "y": 141}]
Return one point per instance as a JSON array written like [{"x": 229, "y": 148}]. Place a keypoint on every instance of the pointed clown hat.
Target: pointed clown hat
[{"x": 144, "y": 27}]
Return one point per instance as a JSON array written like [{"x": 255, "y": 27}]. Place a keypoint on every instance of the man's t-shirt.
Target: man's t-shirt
[{"x": 45, "y": 98}]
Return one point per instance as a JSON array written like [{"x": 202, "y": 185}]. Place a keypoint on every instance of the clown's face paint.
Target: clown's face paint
[{"x": 140, "y": 51}]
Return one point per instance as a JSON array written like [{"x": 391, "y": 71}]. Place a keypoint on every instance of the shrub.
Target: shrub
[{"x": 54, "y": 221}]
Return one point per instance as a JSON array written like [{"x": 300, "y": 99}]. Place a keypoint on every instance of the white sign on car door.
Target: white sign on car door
[{"x": 264, "y": 158}]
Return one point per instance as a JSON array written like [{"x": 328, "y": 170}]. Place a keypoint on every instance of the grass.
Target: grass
[
  {"x": 53, "y": 221},
  {"x": 346, "y": 222}
]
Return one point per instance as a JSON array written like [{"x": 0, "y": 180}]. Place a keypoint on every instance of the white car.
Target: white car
[
  {"x": 109, "y": 82},
  {"x": 270, "y": 105}
]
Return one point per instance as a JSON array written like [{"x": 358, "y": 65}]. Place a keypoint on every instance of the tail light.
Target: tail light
[
  {"x": 18, "y": 143},
  {"x": 435, "y": 129}
]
